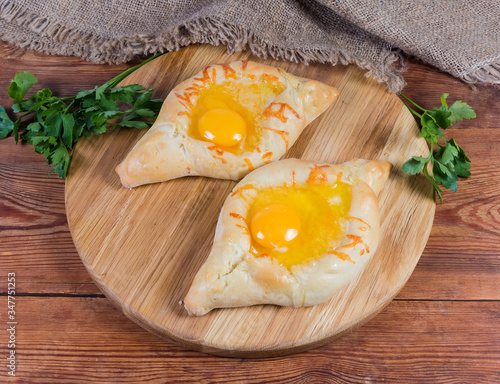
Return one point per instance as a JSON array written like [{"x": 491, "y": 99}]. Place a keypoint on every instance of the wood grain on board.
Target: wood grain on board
[{"x": 144, "y": 246}]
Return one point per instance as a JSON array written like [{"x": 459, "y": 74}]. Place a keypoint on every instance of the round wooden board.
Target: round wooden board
[{"x": 144, "y": 246}]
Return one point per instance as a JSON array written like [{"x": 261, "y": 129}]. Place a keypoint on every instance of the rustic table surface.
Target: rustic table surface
[{"x": 443, "y": 327}]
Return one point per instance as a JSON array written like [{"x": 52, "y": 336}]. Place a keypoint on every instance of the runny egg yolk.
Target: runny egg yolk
[
  {"x": 247, "y": 99},
  {"x": 275, "y": 226},
  {"x": 317, "y": 214},
  {"x": 221, "y": 125}
]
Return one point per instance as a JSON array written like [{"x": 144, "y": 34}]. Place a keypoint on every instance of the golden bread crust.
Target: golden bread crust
[
  {"x": 233, "y": 277},
  {"x": 167, "y": 151}
]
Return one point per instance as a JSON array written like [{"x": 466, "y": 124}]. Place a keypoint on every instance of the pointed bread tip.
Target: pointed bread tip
[
  {"x": 120, "y": 169},
  {"x": 377, "y": 173},
  {"x": 317, "y": 97},
  {"x": 193, "y": 303}
]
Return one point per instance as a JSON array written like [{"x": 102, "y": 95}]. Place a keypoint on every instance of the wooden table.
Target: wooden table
[{"x": 444, "y": 326}]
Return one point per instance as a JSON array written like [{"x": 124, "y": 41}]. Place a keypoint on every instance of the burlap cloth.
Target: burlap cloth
[{"x": 461, "y": 37}]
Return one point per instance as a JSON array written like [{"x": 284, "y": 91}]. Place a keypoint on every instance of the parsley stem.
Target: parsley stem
[
  {"x": 113, "y": 82},
  {"x": 411, "y": 101},
  {"x": 69, "y": 106},
  {"x": 436, "y": 187},
  {"x": 411, "y": 109}
]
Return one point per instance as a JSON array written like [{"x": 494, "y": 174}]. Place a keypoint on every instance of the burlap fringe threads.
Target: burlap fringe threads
[{"x": 38, "y": 33}]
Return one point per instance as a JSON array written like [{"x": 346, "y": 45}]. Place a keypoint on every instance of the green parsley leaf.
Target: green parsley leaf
[
  {"x": 15, "y": 130},
  {"x": 99, "y": 91},
  {"x": 448, "y": 153},
  {"x": 145, "y": 112},
  {"x": 68, "y": 122},
  {"x": 460, "y": 110},
  {"x": 449, "y": 162},
  {"x": 21, "y": 84},
  {"x": 414, "y": 165},
  {"x": 6, "y": 124},
  {"x": 443, "y": 175},
  {"x": 53, "y": 124},
  {"x": 133, "y": 124},
  {"x": 442, "y": 117},
  {"x": 444, "y": 96}
]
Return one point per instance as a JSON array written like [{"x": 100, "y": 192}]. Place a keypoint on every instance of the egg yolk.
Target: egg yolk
[
  {"x": 222, "y": 126},
  {"x": 275, "y": 226},
  {"x": 295, "y": 225},
  {"x": 245, "y": 100}
]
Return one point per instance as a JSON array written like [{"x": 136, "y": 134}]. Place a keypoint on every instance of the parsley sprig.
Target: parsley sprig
[
  {"x": 448, "y": 161},
  {"x": 56, "y": 124}
]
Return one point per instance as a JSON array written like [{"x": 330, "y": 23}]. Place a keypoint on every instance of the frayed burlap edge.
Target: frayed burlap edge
[
  {"x": 486, "y": 75},
  {"x": 27, "y": 30}
]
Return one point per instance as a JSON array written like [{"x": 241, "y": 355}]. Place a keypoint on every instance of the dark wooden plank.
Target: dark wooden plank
[
  {"x": 35, "y": 240},
  {"x": 426, "y": 85},
  {"x": 86, "y": 340}
]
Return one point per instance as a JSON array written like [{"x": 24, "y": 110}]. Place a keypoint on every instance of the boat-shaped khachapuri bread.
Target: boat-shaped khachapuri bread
[
  {"x": 224, "y": 122},
  {"x": 291, "y": 233}
]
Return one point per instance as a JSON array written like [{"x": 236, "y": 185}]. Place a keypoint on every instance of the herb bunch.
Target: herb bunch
[
  {"x": 449, "y": 161},
  {"x": 56, "y": 124}
]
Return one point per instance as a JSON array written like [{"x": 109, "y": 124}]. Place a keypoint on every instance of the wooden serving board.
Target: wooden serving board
[{"x": 143, "y": 246}]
